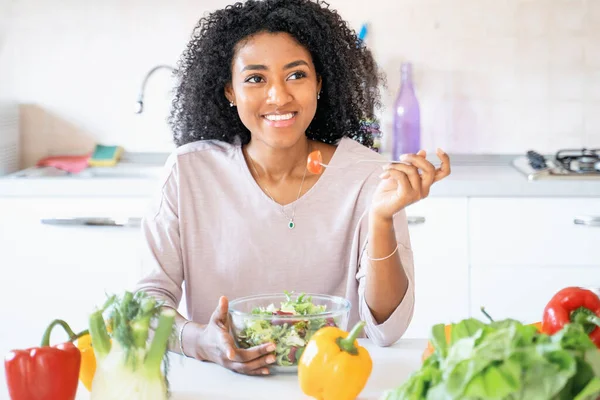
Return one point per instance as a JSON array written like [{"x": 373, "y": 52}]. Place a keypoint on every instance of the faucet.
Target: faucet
[{"x": 140, "y": 102}]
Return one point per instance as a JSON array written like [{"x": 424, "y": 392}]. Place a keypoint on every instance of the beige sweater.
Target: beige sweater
[{"x": 212, "y": 230}]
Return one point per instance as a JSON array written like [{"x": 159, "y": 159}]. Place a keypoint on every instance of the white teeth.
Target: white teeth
[{"x": 279, "y": 117}]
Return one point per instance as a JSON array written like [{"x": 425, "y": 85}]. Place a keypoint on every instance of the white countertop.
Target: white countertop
[
  {"x": 505, "y": 181},
  {"x": 194, "y": 380},
  {"x": 472, "y": 176}
]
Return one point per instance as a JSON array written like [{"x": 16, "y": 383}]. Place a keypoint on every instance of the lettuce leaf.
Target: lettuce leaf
[
  {"x": 591, "y": 391},
  {"x": 505, "y": 360}
]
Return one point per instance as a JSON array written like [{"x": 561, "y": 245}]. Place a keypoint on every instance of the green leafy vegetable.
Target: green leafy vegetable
[
  {"x": 128, "y": 362},
  {"x": 290, "y": 335},
  {"x": 302, "y": 305},
  {"x": 505, "y": 360}
]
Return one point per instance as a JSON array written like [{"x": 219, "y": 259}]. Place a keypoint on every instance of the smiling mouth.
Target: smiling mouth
[{"x": 280, "y": 117}]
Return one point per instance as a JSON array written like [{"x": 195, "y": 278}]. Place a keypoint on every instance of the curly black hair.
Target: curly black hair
[{"x": 350, "y": 77}]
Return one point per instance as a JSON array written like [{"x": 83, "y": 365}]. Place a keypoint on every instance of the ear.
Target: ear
[
  {"x": 319, "y": 84},
  {"x": 229, "y": 94}
]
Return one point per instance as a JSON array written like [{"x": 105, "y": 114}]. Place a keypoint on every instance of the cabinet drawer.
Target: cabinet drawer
[
  {"x": 438, "y": 231},
  {"x": 522, "y": 293},
  {"x": 535, "y": 232}
]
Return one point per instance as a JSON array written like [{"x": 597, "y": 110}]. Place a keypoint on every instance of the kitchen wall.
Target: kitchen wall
[
  {"x": 492, "y": 76},
  {"x": 5, "y": 15}
]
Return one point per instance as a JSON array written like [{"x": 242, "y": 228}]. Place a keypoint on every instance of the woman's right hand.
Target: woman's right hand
[{"x": 216, "y": 344}]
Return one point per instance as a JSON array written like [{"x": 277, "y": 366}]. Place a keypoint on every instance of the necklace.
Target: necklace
[{"x": 291, "y": 223}]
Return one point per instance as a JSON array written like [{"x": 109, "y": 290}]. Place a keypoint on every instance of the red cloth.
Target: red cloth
[{"x": 73, "y": 164}]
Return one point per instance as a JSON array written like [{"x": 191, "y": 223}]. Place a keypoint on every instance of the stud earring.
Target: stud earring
[
  {"x": 318, "y": 96},
  {"x": 231, "y": 104}
]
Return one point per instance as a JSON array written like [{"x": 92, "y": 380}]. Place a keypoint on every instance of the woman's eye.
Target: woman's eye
[
  {"x": 298, "y": 75},
  {"x": 253, "y": 79}
]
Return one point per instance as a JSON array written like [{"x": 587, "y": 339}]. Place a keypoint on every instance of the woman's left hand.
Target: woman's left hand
[{"x": 402, "y": 185}]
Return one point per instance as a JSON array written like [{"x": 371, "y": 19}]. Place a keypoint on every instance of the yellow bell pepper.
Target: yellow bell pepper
[
  {"x": 430, "y": 349},
  {"x": 88, "y": 361},
  {"x": 333, "y": 366}
]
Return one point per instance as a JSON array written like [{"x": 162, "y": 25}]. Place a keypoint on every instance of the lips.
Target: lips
[
  {"x": 280, "y": 120},
  {"x": 280, "y": 117}
]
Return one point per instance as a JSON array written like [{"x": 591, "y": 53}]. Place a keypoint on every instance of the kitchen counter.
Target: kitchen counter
[
  {"x": 472, "y": 176},
  {"x": 505, "y": 181},
  {"x": 194, "y": 380}
]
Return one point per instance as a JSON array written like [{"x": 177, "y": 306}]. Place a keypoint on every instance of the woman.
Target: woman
[{"x": 263, "y": 84}]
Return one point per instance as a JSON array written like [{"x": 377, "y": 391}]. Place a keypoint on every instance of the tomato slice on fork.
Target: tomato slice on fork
[{"x": 314, "y": 163}]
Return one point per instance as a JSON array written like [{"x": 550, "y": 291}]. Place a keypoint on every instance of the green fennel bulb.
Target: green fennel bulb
[{"x": 127, "y": 366}]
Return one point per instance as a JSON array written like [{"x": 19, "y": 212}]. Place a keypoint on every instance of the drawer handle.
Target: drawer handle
[
  {"x": 587, "y": 221},
  {"x": 414, "y": 220},
  {"x": 93, "y": 221}
]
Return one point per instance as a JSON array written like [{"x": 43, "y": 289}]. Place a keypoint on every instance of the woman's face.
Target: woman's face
[{"x": 274, "y": 87}]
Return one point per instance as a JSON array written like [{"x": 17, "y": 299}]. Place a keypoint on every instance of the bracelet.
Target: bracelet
[
  {"x": 181, "y": 338},
  {"x": 383, "y": 258}
]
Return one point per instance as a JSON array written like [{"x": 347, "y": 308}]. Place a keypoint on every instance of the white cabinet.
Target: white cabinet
[
  {"x": 522, "y": 293},
  {"x": 50, "y": 272},
  {"x": 438, "y": 231},
  {"x": 534, "y": 232},
  {"x": 507, "y": 254},
  {"x": 523, "y": 250}
]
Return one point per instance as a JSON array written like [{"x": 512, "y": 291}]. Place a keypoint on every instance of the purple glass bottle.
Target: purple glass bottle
[{"x": 407, "y": 117}]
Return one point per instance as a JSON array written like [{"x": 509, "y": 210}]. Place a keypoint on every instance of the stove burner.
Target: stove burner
[{"x": 579, "y": 161}]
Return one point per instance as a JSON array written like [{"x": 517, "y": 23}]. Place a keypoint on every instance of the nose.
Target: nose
[{"x": 278, "y": 94}]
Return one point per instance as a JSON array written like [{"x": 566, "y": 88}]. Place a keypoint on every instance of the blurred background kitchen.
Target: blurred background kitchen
[{"x": 493, "y": 78}]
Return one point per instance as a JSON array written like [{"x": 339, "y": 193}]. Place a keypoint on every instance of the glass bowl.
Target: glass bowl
[{"x": 267, "y": 318}]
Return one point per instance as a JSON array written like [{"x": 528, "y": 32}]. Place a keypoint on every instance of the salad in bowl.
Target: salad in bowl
[{"x": 287, "y": 320}]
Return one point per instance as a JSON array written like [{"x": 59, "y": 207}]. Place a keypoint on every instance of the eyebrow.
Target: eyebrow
[
  {"x": 296, "y": 63},
  {"x": 261, "y": 67}
]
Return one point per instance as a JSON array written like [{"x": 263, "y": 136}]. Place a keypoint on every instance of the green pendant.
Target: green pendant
[{"x": 291, "y": 224}]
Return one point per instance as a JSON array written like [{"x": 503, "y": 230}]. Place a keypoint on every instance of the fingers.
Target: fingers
[
  {"x": 403, "y": 187},
  {"x": 253, "y": 361},
  {"x": 408, "y": 171},
  {"x": 220, "y": 315},
  {"x": 234, "y": 353},
  {"x": 444, "y": 169},
  {"x": 428, "y": 175},
  {"x": 255, "y": 367}
]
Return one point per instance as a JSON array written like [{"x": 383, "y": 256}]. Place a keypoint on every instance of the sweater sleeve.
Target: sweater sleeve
[
  {"x": 392, "y": 329},
  {"x": 162, "y": 261}
]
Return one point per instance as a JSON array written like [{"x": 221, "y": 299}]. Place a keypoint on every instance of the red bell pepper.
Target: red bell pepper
[
  {"x": 46, "y": 372},
  {"x": 573, "y": 304}
]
